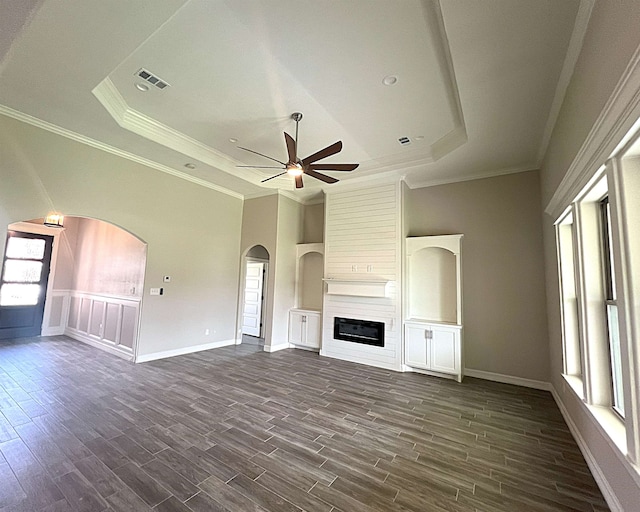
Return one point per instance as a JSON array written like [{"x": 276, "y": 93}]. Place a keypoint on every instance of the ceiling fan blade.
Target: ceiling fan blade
[
  {"x": 323, "y": 153},
  {"x": 256, "y": 153},
  {"x": 333, "y": 167},
  {"x": 285, "y": 172},
  {"x": 320, "y": 176},
  {"x": 299, "y": 182},
  {"x": 260, "y": 166},
  {"x": 291, "y": 147}
]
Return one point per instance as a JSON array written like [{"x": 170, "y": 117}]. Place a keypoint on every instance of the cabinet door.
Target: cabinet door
[
  {"x": 416, "y": 353},
  {"x": 312, "y": 327},
  {"x": 445, "y": 349},
  {"x": 296, "y": 327}
]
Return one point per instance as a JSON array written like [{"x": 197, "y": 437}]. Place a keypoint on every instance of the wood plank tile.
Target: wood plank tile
[
  {"x": 242, "y": 429},
  {"x": 148, "y": 489}
]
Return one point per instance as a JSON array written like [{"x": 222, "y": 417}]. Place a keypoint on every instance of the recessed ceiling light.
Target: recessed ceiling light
[
  {"x": 142, "y": 87},
  {"x": 233, "y": 140},
  {"x": 390, "y": 80},
  {"x": 190, "y": 165}
]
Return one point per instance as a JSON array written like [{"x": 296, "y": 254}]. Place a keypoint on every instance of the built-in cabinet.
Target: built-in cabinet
[
  {"x": 305, "y": 319},
  {"x": 305, "y": 328},
  {"x": 433, "y": 305}
]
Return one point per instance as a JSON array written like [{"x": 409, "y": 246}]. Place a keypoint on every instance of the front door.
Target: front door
[
  {"x": 253, "y": 296},
  {"x": 23, "y": 284}
]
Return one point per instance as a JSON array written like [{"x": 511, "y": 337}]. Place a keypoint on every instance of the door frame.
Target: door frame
[
  {"x": 252, "y": 259},
  {"x": 39, "y": 229}
]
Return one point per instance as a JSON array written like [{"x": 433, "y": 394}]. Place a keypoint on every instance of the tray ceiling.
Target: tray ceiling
[{"x": 476, "y": 82}]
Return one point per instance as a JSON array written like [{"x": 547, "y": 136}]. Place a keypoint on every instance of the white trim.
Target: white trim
[
  {"x": 40, "y": 229},
  {"x": 182, "y": 351},
  {"x": 276, "y": 348},
  {"x": 94, "y": 342},
  {"x": 573, "y": 51},
  {"x": 612, "y": 126},
  {"x": 83, "y": 139},
  {"x": 47, "y": 330},
  {"x": 597, "y": 473},
  {"x": 508, "y": 379},
  {"x": 136, "y": 122}
]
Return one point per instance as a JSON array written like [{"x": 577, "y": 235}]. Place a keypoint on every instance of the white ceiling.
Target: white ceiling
[{"x": 478, "y": 82}]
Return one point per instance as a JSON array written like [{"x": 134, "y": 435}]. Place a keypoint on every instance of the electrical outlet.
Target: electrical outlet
[
  {"x": 206, "y": 332},
  {"x": 369, "y": 268},
  {"x": 354, "y": 268}
]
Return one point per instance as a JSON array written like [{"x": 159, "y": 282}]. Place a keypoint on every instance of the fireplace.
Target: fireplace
[{"x": 359, "y": 331}]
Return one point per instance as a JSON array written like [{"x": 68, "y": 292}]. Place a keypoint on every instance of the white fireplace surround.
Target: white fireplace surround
[{"x": 358, "y": 287}]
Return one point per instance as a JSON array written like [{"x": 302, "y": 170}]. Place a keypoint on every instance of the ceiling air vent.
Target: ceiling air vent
[
  {"x": 404, "y": 140},
  {"x": 151, "y": 78}
]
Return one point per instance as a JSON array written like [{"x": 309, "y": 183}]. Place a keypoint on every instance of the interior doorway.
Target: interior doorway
[
  {"x": 254, "y": 293},
  {"x": 23, "y": 284}
]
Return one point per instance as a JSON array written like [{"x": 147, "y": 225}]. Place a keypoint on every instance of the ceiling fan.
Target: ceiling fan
[{"x": 296, "y": 167}]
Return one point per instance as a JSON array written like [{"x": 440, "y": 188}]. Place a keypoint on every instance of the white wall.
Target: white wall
[
  {"x": 192, "y": 232},
  {"x": 610, "y": 42},
  {"x": 503, "y": 292}
]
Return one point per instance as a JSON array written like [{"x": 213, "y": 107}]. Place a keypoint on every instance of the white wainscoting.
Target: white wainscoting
[
  {"x": 56, "y": 312},
  {"x": 106, "y": 322}
]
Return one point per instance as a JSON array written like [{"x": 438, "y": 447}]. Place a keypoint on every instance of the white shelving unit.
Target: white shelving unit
[
  {"x": 305, "y": 320},
  {"x": 433, "y": 305}
]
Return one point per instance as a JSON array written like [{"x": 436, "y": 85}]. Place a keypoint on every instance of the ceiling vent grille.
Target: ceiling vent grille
[
  {"x": 151, "y": 78},
  {"x": 404, "y": 140}
]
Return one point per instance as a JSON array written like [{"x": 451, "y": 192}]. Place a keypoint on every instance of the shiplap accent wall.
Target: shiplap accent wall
[{"x": 363, "y": 228}]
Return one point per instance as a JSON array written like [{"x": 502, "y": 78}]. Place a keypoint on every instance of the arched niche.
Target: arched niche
[
  {"x": 434, "y": 279},
  {"x": 310, "y": 271},
  {"x": 433, "y": 292}
]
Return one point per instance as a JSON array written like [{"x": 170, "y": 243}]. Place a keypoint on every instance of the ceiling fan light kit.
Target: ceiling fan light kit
[{"x": 297, "y": 168}]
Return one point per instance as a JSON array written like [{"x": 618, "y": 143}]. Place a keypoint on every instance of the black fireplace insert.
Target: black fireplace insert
[{"x": 359, "y": 331}]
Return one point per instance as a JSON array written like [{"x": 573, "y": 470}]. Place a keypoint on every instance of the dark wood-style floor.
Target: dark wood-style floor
[{"x": 237, "y": 429}]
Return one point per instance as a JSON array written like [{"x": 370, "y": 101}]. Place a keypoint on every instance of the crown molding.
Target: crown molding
[
  {"x": 413, "y": 184},
  {"x": 612, "y": 128},
  {"x": 129, "y": 119},
  {"x": 573, "y": 52},
  {"x": 83, "y": 139},
  {"x": 436, "y": 28}
]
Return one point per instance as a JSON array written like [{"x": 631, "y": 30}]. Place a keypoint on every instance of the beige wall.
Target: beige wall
[
  {"x": 610, "y": 42},
  {"x": 259, "y": 227},
  {"x": 108, "y": 260},
  {"x": 290, "y": 219},
  {"x": 504, "y": 311},
  {"x": 193, "y": 233},
  {"x": 313, "y": 230},
  {"x": 276, "y": 223}
]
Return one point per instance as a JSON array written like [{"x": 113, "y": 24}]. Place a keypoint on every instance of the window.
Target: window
[
  {"x": 611, "y": 306},
  {"x": 565, "y": 237}
]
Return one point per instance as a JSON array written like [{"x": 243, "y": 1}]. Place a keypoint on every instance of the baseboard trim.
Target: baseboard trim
[
  {"x": 275, "y": 348},
  {"x": 112, "y": 349},
  {"x": 144, "y": 358},
  {"x": 598, "y": 475},
  {"x": 508, "y": 379}
]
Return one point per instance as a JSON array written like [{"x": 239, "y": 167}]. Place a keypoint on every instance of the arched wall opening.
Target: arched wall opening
[
  {"x": 96, "y": 280},
  {"x": 253, "y": 295}
]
